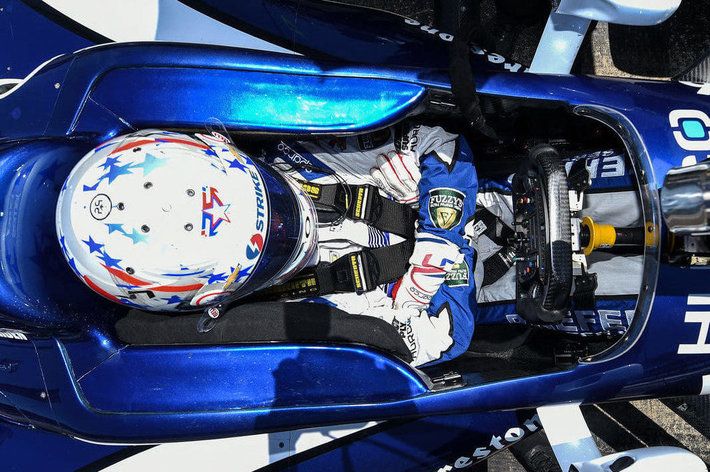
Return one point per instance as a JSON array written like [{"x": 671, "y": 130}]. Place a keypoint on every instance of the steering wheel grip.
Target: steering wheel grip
[
  {"x": 546, "y": 297},
  {"x": 558, "y": 281}
]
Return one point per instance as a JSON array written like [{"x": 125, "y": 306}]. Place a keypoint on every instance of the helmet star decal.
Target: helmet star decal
[
  {"x": 108, "y": 260},
  {"x": 150, "y": 163},
  {"x": 114, "y": 171},
  {"x": 110, "y": 161},
  {"x": 134, "y": 235},
  {"x": 214, "y": 212},
  {"x": 93, "y": 245},
  {"x": 173, "y": 299},
  {"x": 214, "y": 278}
]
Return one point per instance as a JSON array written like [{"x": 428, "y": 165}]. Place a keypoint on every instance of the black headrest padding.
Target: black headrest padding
[{"x": 264, "y": 322}]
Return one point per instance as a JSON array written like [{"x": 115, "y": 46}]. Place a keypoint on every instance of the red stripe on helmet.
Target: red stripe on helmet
[
  {"x": 207, "y": 295},
  {"x": 99, "y": 290},
  {"x": 182, "y": 141},
  {"x": 142, "y": 283},
  {"x": 126, "y": 277},
  {"x": 131, "y": 145},
  {"x": 165, "y": 139},
  {"x": 176, "y": 288}
]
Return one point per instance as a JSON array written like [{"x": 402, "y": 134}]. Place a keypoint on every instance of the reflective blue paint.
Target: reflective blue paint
[
  {"x": 184, "y": 379},
  {"x": 325, "y": 31},
  {"x": 94, "y": 374},
  {"x": 40, "y": 39},
  {"x": 59, "y": 453},
  {"x": 24, "y": 397},
  {"x": 85, "y": 374},
  {"x": 110, "y": 89},
  {"x": 251, "y": 100},
  {"x": 37, "y": 286},
  {"x": 425, "y": 443}
]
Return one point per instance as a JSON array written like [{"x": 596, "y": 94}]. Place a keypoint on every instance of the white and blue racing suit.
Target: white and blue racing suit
[
  {"x": 433, "y": 305},
  {"x": 436, "y": 304}
]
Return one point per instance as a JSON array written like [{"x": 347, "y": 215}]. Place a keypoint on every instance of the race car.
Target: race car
[{"x": 78, "y": 366}]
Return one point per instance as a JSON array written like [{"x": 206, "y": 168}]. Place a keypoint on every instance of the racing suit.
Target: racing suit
[
  {"x": 433, "y": 305},
  {"x": 436, "y": 303}
]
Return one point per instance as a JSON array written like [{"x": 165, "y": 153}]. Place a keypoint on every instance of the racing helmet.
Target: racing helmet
[{"x": 167, "y": 221}]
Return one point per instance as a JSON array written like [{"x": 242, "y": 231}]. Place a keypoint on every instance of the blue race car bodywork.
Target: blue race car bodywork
[{"x": 64, "y": 368}]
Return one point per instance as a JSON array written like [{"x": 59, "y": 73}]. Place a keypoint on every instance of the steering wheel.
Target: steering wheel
[{"x": 543, "y": 240}]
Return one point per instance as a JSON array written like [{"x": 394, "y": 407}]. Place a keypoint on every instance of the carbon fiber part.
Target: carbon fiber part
[
  {"x": 699, "y": 73},
  {"x": 543, "y": 239}
]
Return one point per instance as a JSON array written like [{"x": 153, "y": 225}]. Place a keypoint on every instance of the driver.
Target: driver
[{"x": 371, "y": 224}]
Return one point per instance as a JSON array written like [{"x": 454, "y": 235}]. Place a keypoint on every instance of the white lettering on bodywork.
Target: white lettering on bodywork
[
  {"x": 12, "y": 334},
  {"x": 701, "y": 346}
]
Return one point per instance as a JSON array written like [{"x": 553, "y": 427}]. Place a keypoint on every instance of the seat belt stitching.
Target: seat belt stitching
[{"x": 359, "y": 273}]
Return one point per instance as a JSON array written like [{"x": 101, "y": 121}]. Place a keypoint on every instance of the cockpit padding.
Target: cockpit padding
[{"x": 265, "y": 322}]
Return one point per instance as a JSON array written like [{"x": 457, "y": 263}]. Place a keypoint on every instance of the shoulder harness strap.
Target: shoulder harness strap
[
  {"x": 333, "y": 201},
  {"x": 356, "y": 272},
  {"x": 493, "y": 227},
  {"x": 359, "y": 271}
]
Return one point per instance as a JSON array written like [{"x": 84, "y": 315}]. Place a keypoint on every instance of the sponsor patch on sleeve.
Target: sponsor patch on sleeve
[
  {"x": 458, "y": 276},
  {"x": 445, "y": 207}
]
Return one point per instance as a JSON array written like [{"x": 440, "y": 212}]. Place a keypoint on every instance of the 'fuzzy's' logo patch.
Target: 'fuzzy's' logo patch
[
  {"x": 458, "y": 276},
  {"x": 445, "y": 207}
]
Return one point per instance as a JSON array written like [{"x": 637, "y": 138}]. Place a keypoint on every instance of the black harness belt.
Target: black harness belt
[
  {"x": 334, "y": 200},
  {"x": 358, "y": 272},
  {"x": 494, "y": 229}
]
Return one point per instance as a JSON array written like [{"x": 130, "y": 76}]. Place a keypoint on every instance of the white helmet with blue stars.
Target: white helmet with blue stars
[{"x": 166, "y": 221}]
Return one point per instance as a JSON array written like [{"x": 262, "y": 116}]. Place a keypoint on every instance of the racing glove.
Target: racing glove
[
  {"x": 432, "y": 259},
  {"x": 398, "y": 175},
  {"x": 426, "y": 336}
]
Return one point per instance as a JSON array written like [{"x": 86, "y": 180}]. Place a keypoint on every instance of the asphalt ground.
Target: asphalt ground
[{"x": 661, "y": 52}]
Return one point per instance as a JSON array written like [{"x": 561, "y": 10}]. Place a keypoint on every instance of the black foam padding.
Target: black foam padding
[
  {"x": 265, "y": 322},
  {"x": 499, "y": 338}
]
